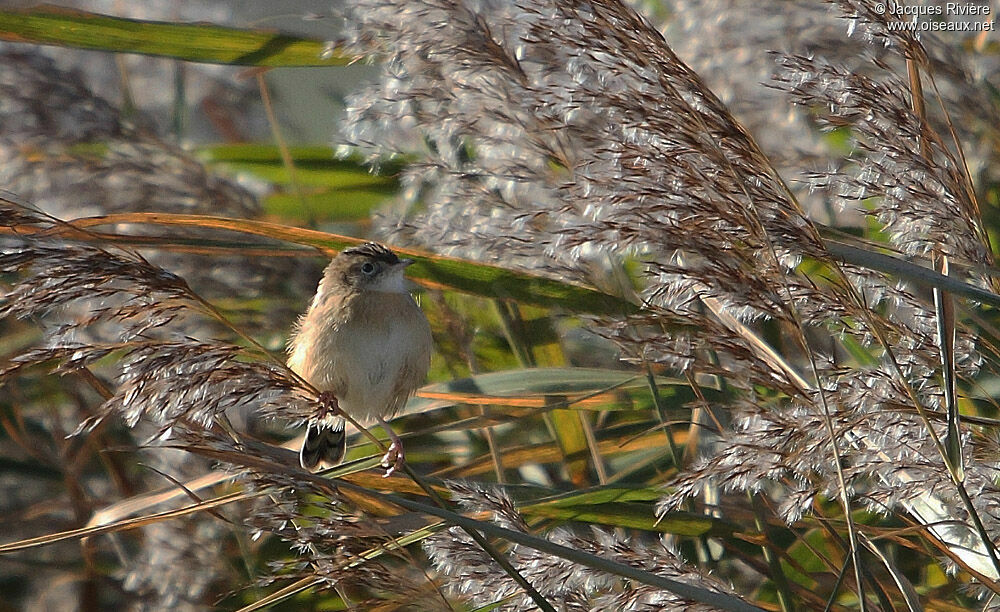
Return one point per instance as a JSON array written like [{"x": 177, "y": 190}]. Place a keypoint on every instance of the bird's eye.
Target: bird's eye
[{"x": 368, "y": 268}]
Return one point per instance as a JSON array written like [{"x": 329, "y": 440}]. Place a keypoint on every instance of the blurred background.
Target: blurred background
[{"x": 581, "y": 410}]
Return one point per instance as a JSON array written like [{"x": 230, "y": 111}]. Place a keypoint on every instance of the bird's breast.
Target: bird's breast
[{"x": 372, "y": 357}]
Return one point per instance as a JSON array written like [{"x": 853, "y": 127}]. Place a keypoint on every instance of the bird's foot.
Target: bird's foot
[
  {"x": 328, "y": 405},
  {"x": 394, "y": 459}
]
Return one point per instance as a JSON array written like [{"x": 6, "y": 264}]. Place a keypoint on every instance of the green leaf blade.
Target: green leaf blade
[{"x": 195, "y": 42}]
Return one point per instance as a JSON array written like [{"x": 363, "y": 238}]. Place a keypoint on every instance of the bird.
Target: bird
[{"x": 365, "y": 345}]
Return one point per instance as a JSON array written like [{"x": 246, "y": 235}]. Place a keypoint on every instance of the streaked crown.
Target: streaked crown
[
  {"x": 373, "y": 251},
  {"x": 366, "y": 267}
]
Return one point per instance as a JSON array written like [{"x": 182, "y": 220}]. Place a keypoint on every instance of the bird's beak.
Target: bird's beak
[{"x": 397, "y": 281}]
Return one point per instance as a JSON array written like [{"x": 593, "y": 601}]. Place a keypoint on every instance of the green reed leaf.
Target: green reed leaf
[{"x": 196, "y": 42}]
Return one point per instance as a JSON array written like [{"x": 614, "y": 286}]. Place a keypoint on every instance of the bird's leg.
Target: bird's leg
[
  {"x": 394, "y": 457},
  {"x": 328, "y": 405}
]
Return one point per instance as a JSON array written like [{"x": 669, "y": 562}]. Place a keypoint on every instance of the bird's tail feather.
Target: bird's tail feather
[{"x": 325, "y": 442}]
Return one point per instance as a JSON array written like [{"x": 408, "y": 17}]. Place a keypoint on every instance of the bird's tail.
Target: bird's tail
[{"x": 325, "y": 441}]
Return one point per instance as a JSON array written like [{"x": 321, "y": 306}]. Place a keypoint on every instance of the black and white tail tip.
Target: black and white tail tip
[{"x": 325, "y": 442}]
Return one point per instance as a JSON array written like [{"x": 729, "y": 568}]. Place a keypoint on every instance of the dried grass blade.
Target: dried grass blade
[
  {"x": 944, "y": 310},
  {"x": 282, "y": 594},
  {"x": 905, "y": 587},
  {"x": 435, "y": 271},
  {"x": 908, "y": 271},
  {"x": 85, "y": 532},
  {"x": 720, "y": 600}
]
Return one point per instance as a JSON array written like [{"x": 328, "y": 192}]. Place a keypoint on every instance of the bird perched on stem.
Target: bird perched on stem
[{"x": 365, "y": 344}]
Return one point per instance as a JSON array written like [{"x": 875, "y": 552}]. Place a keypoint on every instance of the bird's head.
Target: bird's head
[{"x": 370, "y": 267}]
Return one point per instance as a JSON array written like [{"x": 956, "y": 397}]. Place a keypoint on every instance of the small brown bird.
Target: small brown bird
[{"x": 365, "y": 344}]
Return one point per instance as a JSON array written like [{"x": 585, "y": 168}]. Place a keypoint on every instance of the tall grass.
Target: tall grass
[{"x": 778, "y": 413}]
